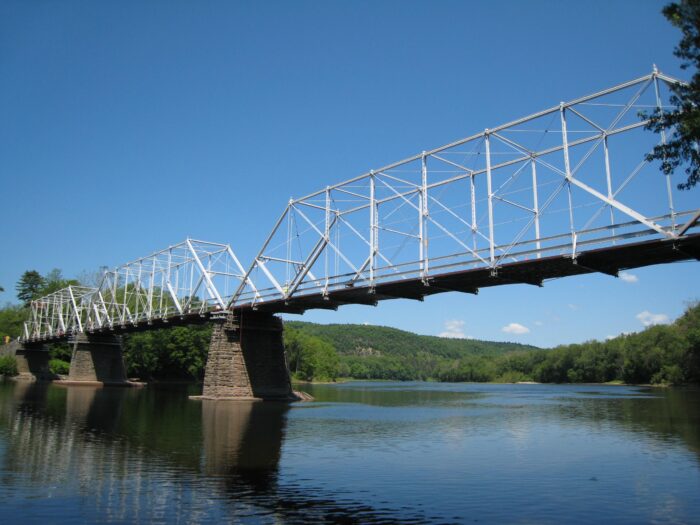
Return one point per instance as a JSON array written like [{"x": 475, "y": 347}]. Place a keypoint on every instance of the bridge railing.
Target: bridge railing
[{"x": 561, "y": 181}]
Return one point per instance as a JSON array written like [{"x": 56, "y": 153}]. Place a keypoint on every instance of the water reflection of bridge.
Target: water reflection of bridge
[{"x": 128, "y": 461}]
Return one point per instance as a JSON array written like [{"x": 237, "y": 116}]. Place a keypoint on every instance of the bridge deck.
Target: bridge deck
[{"x": 607, "y": 260}]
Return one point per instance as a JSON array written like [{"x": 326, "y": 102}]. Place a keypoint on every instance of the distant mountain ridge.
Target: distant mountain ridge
[{"x": 370, "y": 340}]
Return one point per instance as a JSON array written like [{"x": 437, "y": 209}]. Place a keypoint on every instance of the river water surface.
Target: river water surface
[{"x": 361, "y": 453}]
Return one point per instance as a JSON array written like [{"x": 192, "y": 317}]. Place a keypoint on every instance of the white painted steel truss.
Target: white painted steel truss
[
  {"x": 561, "y": 181},
  {"x": 189, "y": 278},
  {"x": 192, "y": 277},
  {"x": 59, "y": 313}
]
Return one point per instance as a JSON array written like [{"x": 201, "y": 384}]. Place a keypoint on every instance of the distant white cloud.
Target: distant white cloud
[
  {"x": 572, "y": 306},
  {"x": 454, "y": 328},
  {"x": 628, "y": 277},
  {"x": 647, "y": 318},
  {"x": 539, "y": 323},
  {"x": 515, "y": 328}
]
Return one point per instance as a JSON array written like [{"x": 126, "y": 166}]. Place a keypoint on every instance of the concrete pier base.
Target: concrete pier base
[
  {"x": 97, "y": 359},
  {"x": 246, "y": 360}
]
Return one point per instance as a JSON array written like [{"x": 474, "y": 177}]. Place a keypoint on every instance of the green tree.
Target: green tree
[
  {"x": 309, "y": 357},
  {"x": 173, "y": 353},
  {"x": 54, "y": 281},
  {"x": 8, "y": 366},
  {"x": 12, "y": 318},
  {"x": 681, "y": 147},
  {"x": 30, "y": 286}
]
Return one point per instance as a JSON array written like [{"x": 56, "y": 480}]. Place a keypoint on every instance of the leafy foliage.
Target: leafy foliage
[
  {"x": 681, "y": 148},
  {"x": 59, "y": 366},
  {"x": 8, "y": 366},
  {"x": 54, "y": 281},
  {"x": 174, "y": 353},
  {"x": 30, "y": 286},
  {"x": 310, "y": 357},
  {"x": 12, "y": 318}
]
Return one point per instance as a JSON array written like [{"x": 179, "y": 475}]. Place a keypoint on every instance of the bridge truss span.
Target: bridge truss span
[
  {"x": 187, "y": 279},
  {"x": 182, "y": 283},
  {"x": 565, "y": 191},
  {"x": 58, "y": 314},
  {"x": 563, "y": 182}
]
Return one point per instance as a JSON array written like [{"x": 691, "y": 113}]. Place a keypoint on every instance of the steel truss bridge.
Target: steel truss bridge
[{"x": 566, "y": 191}]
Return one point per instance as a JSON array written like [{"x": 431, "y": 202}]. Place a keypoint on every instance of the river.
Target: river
[{"x": 363, "y": 452}]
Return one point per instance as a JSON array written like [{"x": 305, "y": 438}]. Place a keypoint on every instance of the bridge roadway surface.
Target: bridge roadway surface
[{"x": 608, "y": 260}]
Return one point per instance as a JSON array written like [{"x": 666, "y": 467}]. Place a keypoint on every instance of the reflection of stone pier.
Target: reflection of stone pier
[
  {"x": 79, "y": 401},
  {"x": 244, "y": 440}
]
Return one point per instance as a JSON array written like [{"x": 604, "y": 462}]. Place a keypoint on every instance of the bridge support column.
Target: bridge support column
[
  {"x": 246, "y": 359},
  {"x": 32, "y": 361},
  {"x": 97, "y": 358}
]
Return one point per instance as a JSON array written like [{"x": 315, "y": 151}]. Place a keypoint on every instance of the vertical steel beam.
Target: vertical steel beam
[
  {"x": 473, "y": 201},
  {"x": 126, "y": 295},
  {"x": 608, "y": 178},
  {"x": 663, "y": 142},
  {"x": 372, "y": 228},
  {"x": 149, "y": 313},
  {"x": 75, "y": 309},
  {"x": 139, "y": 287},
  {"x": 489, "y": 191},
  {"x": 288, "y": 264},
  {"x": 567, "y": 173},
  {"x": 535, "y": 205},
  {"x": 327, "y": 234},
  {"x": 424, "y": 253}
]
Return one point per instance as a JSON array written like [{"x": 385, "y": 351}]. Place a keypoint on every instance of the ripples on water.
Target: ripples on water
[{"x": 362, "y": 453}]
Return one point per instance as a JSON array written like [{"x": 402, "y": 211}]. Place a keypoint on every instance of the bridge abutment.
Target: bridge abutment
[
  {"x": 97, "y": 359},
  {"x": 32, "y": 361},
  {"x": 246, "y": 359}
]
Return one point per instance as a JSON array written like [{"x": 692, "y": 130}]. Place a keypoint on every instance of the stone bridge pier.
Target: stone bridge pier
[
  {"x": 32, "y": 360},
  {"x": 97, "y": 358},
  {"x": 246, "y": 359}
]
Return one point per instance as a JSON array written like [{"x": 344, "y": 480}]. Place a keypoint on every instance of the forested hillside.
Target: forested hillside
[
  {"x": 364, "y": 340},
  {"x": 663, "y": 354},
  {"x": 376, "y": 352}
]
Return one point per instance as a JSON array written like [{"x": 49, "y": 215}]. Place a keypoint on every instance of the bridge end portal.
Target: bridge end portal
[{"x": 246, "y": 359}]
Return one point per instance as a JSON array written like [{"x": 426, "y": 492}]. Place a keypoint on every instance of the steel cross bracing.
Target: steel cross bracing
[
  {"x": 188, "y": 279},
  {"x": 562, "y": 181}
]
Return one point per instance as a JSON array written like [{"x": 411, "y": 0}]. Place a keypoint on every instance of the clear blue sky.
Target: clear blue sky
[{"x": 127, "y": 126}]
